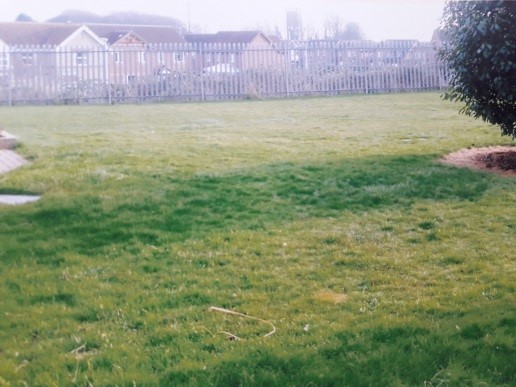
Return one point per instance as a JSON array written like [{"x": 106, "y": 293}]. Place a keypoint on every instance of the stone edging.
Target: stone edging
[{"x": 7, "y": 140}]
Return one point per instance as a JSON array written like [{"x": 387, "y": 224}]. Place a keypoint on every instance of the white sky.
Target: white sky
[{"x": 378, "y": 19}]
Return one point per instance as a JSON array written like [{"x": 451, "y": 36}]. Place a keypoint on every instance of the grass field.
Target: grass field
[{"x": 329, "y": 218}]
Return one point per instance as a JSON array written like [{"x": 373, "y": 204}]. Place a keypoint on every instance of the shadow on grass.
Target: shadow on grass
[
  {"x": 419, "y": 359},
  {"x": 396, "y": 355},
  {"x": 162, "y": 209},
  {"x": 15, "y": 191}
]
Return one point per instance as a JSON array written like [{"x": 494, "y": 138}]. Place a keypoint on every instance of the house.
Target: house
[
  {"x": 144, "y": 47},
  {"x": 138, "y": 51},
  {"x": 235, "y": 51},
  {"x": 41, "y": 59},
  {"x": 61, "y": 60},
  {"x": 32, "y": 46},
  {"x": 396, "y": 51},
  {"x": 128, "y": 55},
  {"x": 323, "y": 54}
]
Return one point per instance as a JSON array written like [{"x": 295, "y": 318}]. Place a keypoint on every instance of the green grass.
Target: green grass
[{"x": 331, "y": 218}]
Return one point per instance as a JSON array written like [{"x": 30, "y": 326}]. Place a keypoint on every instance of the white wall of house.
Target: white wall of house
[
  {"x": 4, "y": 56},
  {"x": 82, "y": 56}
]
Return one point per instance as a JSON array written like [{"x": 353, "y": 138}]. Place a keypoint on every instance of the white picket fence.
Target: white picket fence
[{"x": 189, "y": 72}]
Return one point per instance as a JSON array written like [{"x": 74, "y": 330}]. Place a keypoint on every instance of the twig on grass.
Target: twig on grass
[
  {"x": 23, "y": 364},
  {"x": 231, "y": 336},
  {"x": 79, "y": 349},
  {"x": 207, "y": 330},
  {"x": 74, "y": 380}
]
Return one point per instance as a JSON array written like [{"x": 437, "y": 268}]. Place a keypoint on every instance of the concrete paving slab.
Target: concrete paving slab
[
  {"x": 10, "y": 160},
  {"x": 18, "y": 199}
]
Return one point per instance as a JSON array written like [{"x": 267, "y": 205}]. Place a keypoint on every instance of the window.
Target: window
[
  {"x": 232, "y": 58},
  {"x": 4, "y": 60},
  {"x": 28, "y": 58},
  {"x": 81, "y": 59},
  {"x": 180, "y": 56},
  {"x": 119, "y": 58},
  {"x": 142, "y": 57},
  {"x": 161, "y": 56},
  {"x": 208, "y": 57}
]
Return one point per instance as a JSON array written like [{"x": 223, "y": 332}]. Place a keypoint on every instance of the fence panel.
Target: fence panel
[{"x": 204, "y": 72}]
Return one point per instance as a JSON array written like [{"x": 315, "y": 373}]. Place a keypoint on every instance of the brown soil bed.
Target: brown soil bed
[{"x": 500, "y": 159}]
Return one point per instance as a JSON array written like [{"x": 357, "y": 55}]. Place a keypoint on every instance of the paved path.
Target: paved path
[{"x": 10, "y": 160}]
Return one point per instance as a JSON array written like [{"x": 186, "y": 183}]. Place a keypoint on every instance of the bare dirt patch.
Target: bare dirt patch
[{"x": 497, "y": 159}]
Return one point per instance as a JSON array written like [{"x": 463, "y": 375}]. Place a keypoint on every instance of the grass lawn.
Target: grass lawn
[{"x": 330, "y": 219}]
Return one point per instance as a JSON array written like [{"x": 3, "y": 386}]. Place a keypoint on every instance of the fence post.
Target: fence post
[
  {"x": 9, "y": 76},
  {"x": 287, "y": 68},
  {"x": 201, "y": 72},
  {"x": 107, "y": 78}
]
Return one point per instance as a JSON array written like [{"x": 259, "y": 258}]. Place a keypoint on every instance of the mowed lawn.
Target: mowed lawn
[{"x": 330, "y": 220}]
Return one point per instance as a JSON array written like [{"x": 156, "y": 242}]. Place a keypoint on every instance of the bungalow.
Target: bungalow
[{"x": 234, "y": 51}]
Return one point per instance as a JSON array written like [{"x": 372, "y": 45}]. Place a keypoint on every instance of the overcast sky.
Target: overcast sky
[{"x": 378, "y": 19}]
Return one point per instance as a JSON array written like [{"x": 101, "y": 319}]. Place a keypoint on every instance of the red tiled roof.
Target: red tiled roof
[
  {"x": 38, "y": 34},
  {"x": 150, "y": 34},
  {"x": 232, "y": 37},
  {"x": 200, "y": 38},
  {"x": 237, "y": 36}
]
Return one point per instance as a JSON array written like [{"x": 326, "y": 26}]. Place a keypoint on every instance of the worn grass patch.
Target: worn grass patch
[{"x": 329, "y": 218}]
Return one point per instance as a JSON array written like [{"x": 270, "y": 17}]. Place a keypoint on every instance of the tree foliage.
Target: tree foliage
[
  {"x": 336, "y": 29},
  {"x": 480, "y": 51},
  {"x": 352, "y": 31},
  {"x": 23, "y": 17}
]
